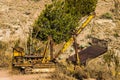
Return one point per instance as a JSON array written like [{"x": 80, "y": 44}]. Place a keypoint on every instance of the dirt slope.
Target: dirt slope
[{"x": 16, "y": 18}]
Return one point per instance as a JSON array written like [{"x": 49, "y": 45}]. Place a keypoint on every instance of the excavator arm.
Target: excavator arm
[{"x": 71, "y": 40}]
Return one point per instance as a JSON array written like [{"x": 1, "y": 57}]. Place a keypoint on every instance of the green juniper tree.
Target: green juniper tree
[{"x": 60, "y": 18}]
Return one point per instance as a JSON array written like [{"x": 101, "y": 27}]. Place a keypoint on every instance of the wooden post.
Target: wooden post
[
  {"x": 51, "y": 48},
  {"x": 76, "y": 50}
]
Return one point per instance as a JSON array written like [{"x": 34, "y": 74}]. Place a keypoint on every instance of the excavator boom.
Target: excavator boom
[{"x": 70, "y": 41}]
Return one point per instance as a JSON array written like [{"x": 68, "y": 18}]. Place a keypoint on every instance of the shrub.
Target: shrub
[
  {"x": 107, "y": 16},
  {"x": 112, "y": 59},
  {"x": 116, "y": 35},
  {"x": 5, "y": 60}
]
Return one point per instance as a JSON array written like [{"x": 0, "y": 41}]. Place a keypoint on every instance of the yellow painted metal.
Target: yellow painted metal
[
  {"x": 46, "y": 56},
  {"x": 16, "y": 53},
  {"x": 66, "y": 45},
  {"x": 85, "y": 24},
  {"x": 70, "y": 41}
]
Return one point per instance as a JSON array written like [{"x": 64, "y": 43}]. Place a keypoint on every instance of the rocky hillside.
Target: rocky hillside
[{"x": 16, "y": 18}]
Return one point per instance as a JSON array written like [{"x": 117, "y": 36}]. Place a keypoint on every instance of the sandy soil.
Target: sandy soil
[
  {"x": 104, "y": 6},
  {"x": 6, "y": 75}
]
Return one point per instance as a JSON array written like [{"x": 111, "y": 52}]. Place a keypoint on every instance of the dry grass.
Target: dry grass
[
  {"x": 104, "y": 67},
  {"x": 5, "y": 59},
  {"x": 62, "y": 73}
]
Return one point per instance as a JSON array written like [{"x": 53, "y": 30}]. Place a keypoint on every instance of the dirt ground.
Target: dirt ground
[{"x": 6, "y": 75}]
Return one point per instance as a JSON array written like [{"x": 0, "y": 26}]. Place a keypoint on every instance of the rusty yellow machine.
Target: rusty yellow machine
[
  {"x": 34, "y": 63},
  {"x": 29, "y": 63}
]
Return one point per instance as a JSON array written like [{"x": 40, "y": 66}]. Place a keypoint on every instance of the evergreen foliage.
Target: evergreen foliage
[
  {"x": 60, "y": 18},
  {"x": 80, "y": 8}
]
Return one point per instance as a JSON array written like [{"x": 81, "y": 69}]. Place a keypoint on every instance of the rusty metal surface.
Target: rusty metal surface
[
  {"x": 33, "y": 56},
  {"x": 19, "y": 49},
  {"x": 89, "y": 53}
]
